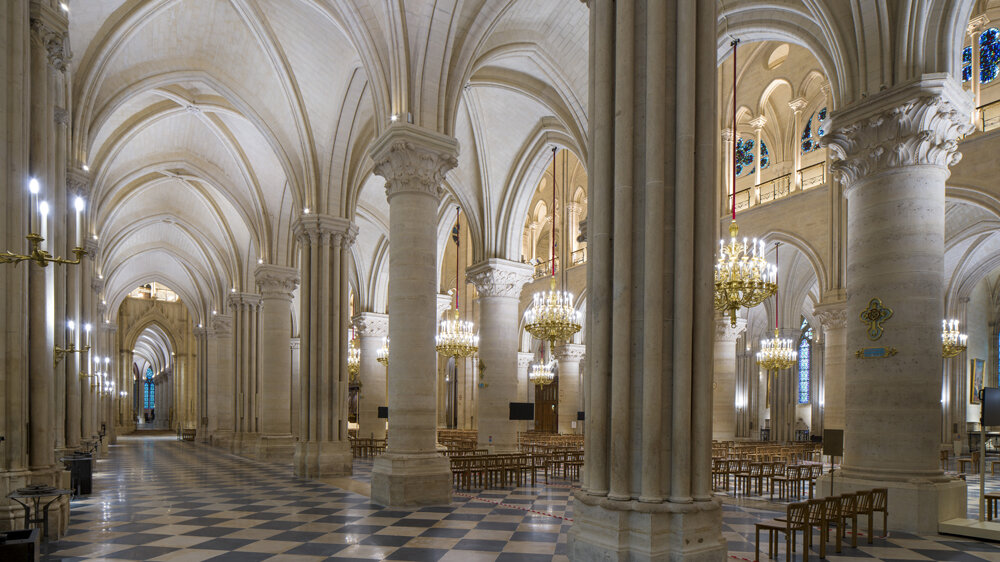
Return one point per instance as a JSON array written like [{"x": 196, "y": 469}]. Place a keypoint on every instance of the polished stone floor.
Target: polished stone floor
[{"x": 161, "y": 499}]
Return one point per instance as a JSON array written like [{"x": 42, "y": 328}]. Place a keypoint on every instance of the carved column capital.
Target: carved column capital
[
  {"x": 222, "y": 325},
  {"x": 797, "y": 104},
  {"x": 78, "y": 181},
  {"x": 524, "y": 359},
  {"x": 295, "y": 344},
  {"x": 46, "y": 35},
  {"x": 917, "y": 124},
  {"x": 413, "y": 159},
  {"x": 315, "y": 229},
  {"x": 444, "y": 302},
  {"x": 499, "y": 278},
  {"x": 725, "y": 332},
  {"x": 371, "y": 324},
  {"x": 727, "y": 134},
  {"x": 569, "y": 352},
  {"x": 757, "y": 123},
  {"x": 236, "y": 300},
  {"x": 276, "y": 280},
  {"x": 832, "y": 316},
  {"x": 977, "y": 24}
]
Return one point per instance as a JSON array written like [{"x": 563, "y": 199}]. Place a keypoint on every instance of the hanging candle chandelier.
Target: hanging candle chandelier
[
  {"x": 953, "y": 342},
  {"x": 382, "y": 353},
  {"x": 552, "y": 316},
  {"x": 778, "y": 353},
  {"x": 456, "y": 337},
  {"x": 541, "y": 374},
  {"x": 743, "y": 278},
  {"x": 353, "y": 360}
]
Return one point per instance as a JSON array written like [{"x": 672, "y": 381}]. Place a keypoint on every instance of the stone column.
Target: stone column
[
  {"x": 413, "y": 162},
  {"x": 200, "y": 369},
  {"x": 833, "y": 317},
  {"x": 322, "y": 448},
  {"x": 294, "y": 346},
  {"x": 525, "y": 390},
  {"x": 975, "y": 29},
  {"x": 646, "y": 492},
  {"x": 893, "y": 152},
  {"x": 727, "y": 170},
  {"x": 569, "y": 356},
  {"x": 245, "y": 310},
  {"x": 372, "y": 328},
  {"x": 276, "y": 284},
  {"x": 797, "y": 105},
  {"x": 724, "y": 382},
  {"x": 499, "y": 283},
  {"x": 221, "y": 389},
  {"x": 757, "y": 123}
]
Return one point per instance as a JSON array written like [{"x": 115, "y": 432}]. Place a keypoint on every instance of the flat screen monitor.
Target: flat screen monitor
[
  {"x": 579, "y": 416},
  {"x": 991, "y": 406},
  {"x": 522, "y": 411},
  {"x": 383, "y": 412}
]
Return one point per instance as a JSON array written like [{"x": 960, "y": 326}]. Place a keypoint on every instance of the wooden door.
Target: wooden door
[{"x": 547, "y": 407}]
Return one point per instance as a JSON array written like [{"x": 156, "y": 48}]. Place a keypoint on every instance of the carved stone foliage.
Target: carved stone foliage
[
  {"x": 222, "y": 325},
  {"x": 237, "y": 300},
  {"x": 499, "y": 278},
  {"x": 832, "y": 317},
  {"x": 274, "y": 279},
  {"x": 569, "y": 352},
  {"x": 913, "y": 125},
  {"x": 724, "y": 331},
  {"x": 55, "y": 43},
  {"x": 413, "y": 159},
  {"x": 316, "y": 229},
  {"x": 371, "y": 324}
]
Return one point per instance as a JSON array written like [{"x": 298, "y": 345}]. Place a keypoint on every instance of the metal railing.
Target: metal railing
[
  {"x": 812, "y": 176},
  {"x": 544, "y": 269},
  {"x": 779, "y": 187},
  {"x": 990, "y": 116}
]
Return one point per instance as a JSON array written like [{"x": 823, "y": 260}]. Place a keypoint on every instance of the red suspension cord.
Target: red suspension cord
[
  {"x": 458, "y": 246},
  {"x": 776, "y": 307},
  {"x": 554, "y": 149},
  {"x": 734, "y": 43}
]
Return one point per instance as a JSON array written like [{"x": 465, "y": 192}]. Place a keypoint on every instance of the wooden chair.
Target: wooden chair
[
  {"x": 865, "y": 507},
  {"x": 796, "y": 519},
  {"x": 992, "y": 500},
  {"x": 880, "y": 504},
  {"x": 945, "y": 456},
  {"x": 973, "y": 460},
  {"x": 784, "y": 480},
  {"x": 816, "y": 517},
  {"x": 833, "y": 515},
  {"x": 849, "y": 511}
]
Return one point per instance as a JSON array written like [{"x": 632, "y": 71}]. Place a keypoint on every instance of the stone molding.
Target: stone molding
[
  {"x": 444, "y": 302},
  {"x": 757, "y": 123},
  {"x": 524, "y": 359},
  {"x": 797, "y": 104},
  {"x": 977, "y": 24},
  {"x": 199, "y": 332},
  {"x": 499, "y": 278},
  {"x": 97, "y": 285},
  {"x": 276, "y": 280},
  {"x": 413, "y": 159},
  {"x": 236, "y": 300},
  {"x": 222, "y": 325},
  {"x": 295, "y": 343},
  {"x": 91, "y": 246},
  {"x": 725, "y": 332},
  {"x": 916, "y": 124},
  {"x": 832, "y": 316},
  {"x": 727, "y": 134},
  {"x": 78, "y": 181},
  {"x": 569, "y": 352},
  {"x": 371, "y": 324},
  {"x": 109, "y": 327},
  {"x": 316, "y": 229}
]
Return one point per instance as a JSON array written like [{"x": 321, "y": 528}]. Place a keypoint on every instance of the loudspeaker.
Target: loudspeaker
[
  {"x": 579, "y": 416},
  {"x": 522, "y": 411},
  {"x": 833, "y": 442},
  {"x": 383, "y": 412}
]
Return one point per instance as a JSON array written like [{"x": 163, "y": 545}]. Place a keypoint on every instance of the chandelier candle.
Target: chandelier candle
[{"x": 953, "y": 342}]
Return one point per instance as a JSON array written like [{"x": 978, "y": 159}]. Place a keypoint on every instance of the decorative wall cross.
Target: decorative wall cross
[{"x": 874, "y": 316}]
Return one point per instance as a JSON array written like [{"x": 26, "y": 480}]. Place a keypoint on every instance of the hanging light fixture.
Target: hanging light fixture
[
  {"x": 456, "y": 338},
  {"x": 953, "y": 342},
  {"x": 552, "y": 316},
  {"x": 743, "y": 278},
  {"x": 353, "y": 359},
  {"x": 382, "y": 354},
  {"x": 541, "y": 374},
  {"x": 777, "y": 353}
]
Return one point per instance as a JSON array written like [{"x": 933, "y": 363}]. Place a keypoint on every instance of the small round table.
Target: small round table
[{"x": 34, "y": 494}]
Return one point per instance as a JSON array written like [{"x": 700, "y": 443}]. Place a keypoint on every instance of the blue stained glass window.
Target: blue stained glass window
[
  {"x": 765, "y": 157},
  {"x": 805, "y": 362},
  {"x": 744, "y": 156},
  {"x": 810, "y": 139},
  {"x": 149, "y": 396},
  {"x": 966, "y": 64},
  {"x": 989, "y": 55}
]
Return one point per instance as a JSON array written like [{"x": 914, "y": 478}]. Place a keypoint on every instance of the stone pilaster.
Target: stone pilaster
[
  {"x": 322, "y": 448},
  {"x": 525, "y": 391},
  {"x": 893, "y": 153},
  {"x": 276, "y": 283},
  {"x": 724, "y": 380},
  {"x": 833, "y": 318},
  {"x": 372, "y": 328},
  {"x": 413, "y": 162},
  {"x": 245, "y": 309},
  {"x": 569, "y": 356},
  {"x": 499, "y": 283},
  {"x": 221, "y": 383}
]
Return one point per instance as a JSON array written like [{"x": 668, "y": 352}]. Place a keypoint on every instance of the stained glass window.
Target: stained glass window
[
  {"x": 805, "y": 362},
  {"x": 966, "y": 64},
  {"x": 744, "y": 156},
  {"x": 765, "y": 159},
  {"x": 989, "y": 55},
  {"x": 149, "y": 397},
  {"x": 810, "y": 139}
]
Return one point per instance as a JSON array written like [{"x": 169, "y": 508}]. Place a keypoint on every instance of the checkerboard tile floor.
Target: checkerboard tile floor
[{"x": 169, "y": 500}]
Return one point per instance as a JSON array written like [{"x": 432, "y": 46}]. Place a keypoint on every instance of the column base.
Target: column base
[
  {"x": 321, "y": 459},
  {"x": 914, "y": 507},
  {"x": 275, "y": 448},
  {"x": 245, "y": 445},
  {"x": 222, "y": 439},
  {"x": 12, "y": 514},
  {"x": 411, "y": 480},
  {"x": 634, "y": 531}
]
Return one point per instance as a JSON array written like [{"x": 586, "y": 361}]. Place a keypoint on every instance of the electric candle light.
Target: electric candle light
[
  {"x": 33, "y": 189},
  {"x": 78, "y": 204}
]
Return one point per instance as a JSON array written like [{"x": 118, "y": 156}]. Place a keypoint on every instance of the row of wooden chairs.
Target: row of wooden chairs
[
  {"x": 365, "y": 447},
  {"x": 780, "y": 477},
  {"x": 823, "y": 513},
  {"x": 490, "y": 471}
]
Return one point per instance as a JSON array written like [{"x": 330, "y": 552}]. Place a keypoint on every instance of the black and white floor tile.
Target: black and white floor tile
[{"x": 159, "y": 499}]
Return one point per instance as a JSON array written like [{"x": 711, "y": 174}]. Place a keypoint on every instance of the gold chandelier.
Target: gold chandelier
[
  {"x": 541, "y": 374},
  {"x": 778, "y": 353},
  {"x": 353, "y": 360},
  {"x": 953, "y": 342},
  {"x": 743, "y": 278},
  {"x": 382, "y": 354},
  {"x": 552, "y": 316},
  {"x": 456, "y": 338}
]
